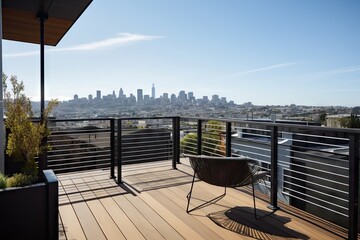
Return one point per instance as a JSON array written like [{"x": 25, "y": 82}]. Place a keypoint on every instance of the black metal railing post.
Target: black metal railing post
[
  {"x": 274, "y": 168},
  {"x": 119, "y": 152},
  {"x": 228, "y": 139},
  {"x": 176, "y": 141},
  {"x": 112, "y": 148},
  {"x": 353, "y": 185},
  {"x": 199, "y": 136}
]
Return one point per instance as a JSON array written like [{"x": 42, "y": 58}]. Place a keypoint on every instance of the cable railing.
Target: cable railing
[
  {"x": 77, "y": 145},
  {"x": 313, "y": 168}
]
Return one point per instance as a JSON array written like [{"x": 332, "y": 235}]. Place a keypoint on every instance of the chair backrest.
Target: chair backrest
[{"x": 222, "y": 171}]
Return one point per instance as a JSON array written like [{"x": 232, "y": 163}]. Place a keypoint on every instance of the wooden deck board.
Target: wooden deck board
[
  {"x": 123, "y": 222},
  {"x": 152, "y": 202},
  {"x": 141, "y": 223},
  {"x": 105, "y": 221},
  {"x": 72, "y": 226}
]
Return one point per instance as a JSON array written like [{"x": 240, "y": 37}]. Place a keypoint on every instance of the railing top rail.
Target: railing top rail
[
  {"x": 107, "y": 119},
  {"x": 270, "y": 124},
  {"x": 252, "y": 122}
]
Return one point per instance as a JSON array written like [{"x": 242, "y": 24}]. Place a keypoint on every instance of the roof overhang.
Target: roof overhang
[{"x": 20, "y": 19}]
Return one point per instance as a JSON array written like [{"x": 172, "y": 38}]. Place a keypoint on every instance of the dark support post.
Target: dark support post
[
  {"x": 42, "y": 18},
  {"x": 228, "y": 139},
  {"x": 53, "y": 204},
  {"x": 112, "y": 148},
  {"x": 353, "y": 185},
  {"x": 274, "y": 168},
  {"x": 119, "y": 159},
  {"x": 199, "y": 136},
  {"x": 176, "y": 141}
]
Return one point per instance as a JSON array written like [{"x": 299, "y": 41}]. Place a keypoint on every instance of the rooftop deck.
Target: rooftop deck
[{"x": 151, "y": 205}]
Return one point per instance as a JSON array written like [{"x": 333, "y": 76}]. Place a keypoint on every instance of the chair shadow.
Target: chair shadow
[{"x": 241, "y": 220}]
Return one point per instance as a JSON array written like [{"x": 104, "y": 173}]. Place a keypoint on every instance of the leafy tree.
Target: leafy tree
[
  {"x": 211, "y": 144},
  {"x": 25, "y": 136},
  {"x": 350, "y": 122}
]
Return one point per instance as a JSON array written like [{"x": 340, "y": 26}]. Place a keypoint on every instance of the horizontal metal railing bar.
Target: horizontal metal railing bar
[
  {"x": 80, "y": 119},
  {"x": 316, "y": 155},
  {"x": 149, "y": 118},
  {"x": 79, "y": 131},
  {"x": 129, "y": 133},
  {"x": 319, "y": 136},
  {"x": 74, "y": 149},
  {"x": 316, "y": 191},
  {"x": 317, "y": 177},
  {"x": 82, "y": 163},
  {"x": 144, "y": 144},
  {"x": 80, "y": 158},
  {"x": 124, "y": 143},
  {"x": 316, "y": 198},
  {"x": 82, "y": 144},
  {"x": 147, "y": 154},
  {"x": 315, "y": 204},
  {"x": 77, "y": 143},
  {"x": 317, "y": 184},
  {"x": 256, "y": 154},
  {"x": 147, "y": 150},
  {"x": 169, "y": 144},
  {"x": 155, "y": 137},
  {"x": 315, "y": 143},
  {"x": 81, "y": 140},
  {"x": 315, "y": 162},
  {"x": 72, "y": 169},
  {"x": 311, "y": 168},
  {"x": 252, "y": 147},
  {"x": 145, "y": 159},
  {"x": 52, "y": 156},
  {"x": 125, "y": 140},
  {"x": 253, "y": 129}
]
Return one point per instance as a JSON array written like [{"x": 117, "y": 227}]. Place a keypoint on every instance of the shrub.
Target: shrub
[
  {"x": 2, "y": 181},
  {"x": 19, "y": 180},
  {"x": 25, "y": 137}
]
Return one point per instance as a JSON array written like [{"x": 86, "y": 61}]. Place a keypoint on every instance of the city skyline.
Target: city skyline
[
  {"x": 268, "y": 53},
  {"x": 141, "y": 96}
]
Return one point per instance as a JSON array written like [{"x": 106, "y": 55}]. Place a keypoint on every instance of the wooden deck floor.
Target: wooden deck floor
[{"x": 151, "y": 205}]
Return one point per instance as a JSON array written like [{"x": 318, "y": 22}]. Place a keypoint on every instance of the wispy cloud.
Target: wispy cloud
[
  {"x": 262, "y": 69},
  {"x": 343, "y": 70},
  {"x": 122, "y": 39}
]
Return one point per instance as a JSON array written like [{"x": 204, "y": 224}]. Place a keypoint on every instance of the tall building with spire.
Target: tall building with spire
[{"x": 153, "y": 92}]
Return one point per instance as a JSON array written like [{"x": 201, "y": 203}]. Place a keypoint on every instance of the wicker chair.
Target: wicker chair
[{"x": 224, "y": 172}]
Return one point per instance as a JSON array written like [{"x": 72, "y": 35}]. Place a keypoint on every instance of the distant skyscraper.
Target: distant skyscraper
[
  {"x": 114, "y": 95},
  {"x": 215, "y": 98},
  {"x": 153, "y": 92},
  {"x": 98, "y": 94},
  {"x": 139, "y": 95},
  {"x": 173, "y": 98},
  {"x": 182, "y": 96},
  {"x": 76, "y": 97},
  {"x": 121, "y": 93},
  {"x": 90, "y": 97}
]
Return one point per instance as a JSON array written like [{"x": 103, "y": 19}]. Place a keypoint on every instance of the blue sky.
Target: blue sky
[{"x": 268, "y": 52}]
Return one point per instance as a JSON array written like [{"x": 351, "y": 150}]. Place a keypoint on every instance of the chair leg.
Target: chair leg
[
  {"x": 253, "y": 190},
  {"x": 188, "y": 196}
]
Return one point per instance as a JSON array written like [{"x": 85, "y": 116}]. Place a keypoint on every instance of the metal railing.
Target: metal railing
[
  {"x": 80, "y": 144},
  {"x": 312, "y": 168}
]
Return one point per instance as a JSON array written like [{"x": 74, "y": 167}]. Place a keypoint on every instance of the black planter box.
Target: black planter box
[{"x": 30, "y": 212}]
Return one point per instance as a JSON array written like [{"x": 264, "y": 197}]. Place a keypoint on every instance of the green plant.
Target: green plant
[
  {"x": 25, "y": 137},
  {"x": 211, "y": 140},
  {"x": 19, "y": 180},
  {"x": 350, "y": 122},
  {"x": 2, "y": 181}
]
